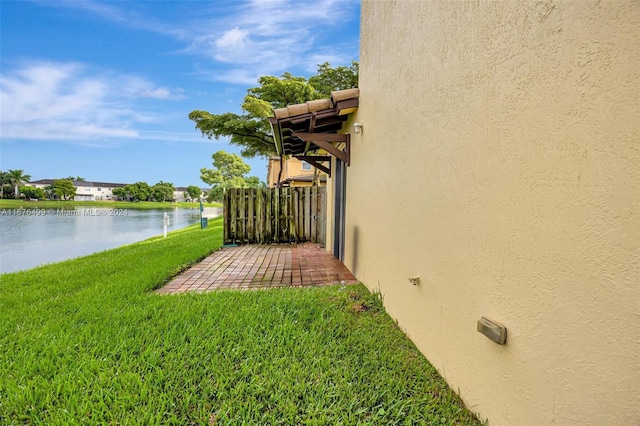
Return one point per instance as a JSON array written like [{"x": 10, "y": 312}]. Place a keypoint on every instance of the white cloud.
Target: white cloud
[
  {"x": 235, "y": 76},
  {"x": 232, "y": 40},
  {"x": 270, "y": 37},
  {"x": 67, "y": 101},
  {"x": 137, "y": 87}
]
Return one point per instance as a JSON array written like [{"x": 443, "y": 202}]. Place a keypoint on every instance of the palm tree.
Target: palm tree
[
  {"x": 48, "y": 192},
  {"x": 3, "y": 180},
  {"x": 17, "y": 178}
]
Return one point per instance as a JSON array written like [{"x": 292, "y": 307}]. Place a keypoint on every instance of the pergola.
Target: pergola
[{"x": 309, "y": 131}]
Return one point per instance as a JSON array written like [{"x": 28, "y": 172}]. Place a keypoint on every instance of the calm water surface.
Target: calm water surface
[{"x": 31, "y": 237}]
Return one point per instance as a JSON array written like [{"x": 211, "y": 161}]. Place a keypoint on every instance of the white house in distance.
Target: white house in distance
[
  {"x": 86, "y": 191},
  {"x": 180, "y": 194},
  {"x": 103, "y": 191}
]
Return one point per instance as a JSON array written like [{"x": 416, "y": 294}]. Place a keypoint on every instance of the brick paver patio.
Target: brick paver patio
[{"x": 262, "y": 266}]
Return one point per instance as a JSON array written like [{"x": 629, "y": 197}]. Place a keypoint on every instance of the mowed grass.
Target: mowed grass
[{"x": 87, "y": 341}]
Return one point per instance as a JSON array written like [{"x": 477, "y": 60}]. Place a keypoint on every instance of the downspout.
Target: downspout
[{"x": 280, "y": 172}]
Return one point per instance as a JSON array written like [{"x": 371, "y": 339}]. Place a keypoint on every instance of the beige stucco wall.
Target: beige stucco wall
[
  {"x": 500, "y": 155},
  {"x": 273, "y": 167}
]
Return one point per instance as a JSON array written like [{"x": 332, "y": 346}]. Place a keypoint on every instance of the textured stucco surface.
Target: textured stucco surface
[{"x": 499, "y": 163}]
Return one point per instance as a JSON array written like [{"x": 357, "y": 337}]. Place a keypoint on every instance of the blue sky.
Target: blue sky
[{"x": 102, "y": 90}]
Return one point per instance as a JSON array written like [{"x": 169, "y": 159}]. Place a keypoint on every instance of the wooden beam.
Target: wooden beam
[
  {"x": 347, "y": 104},
  {"x": 312, "y": 122},
  {"x": 322, "y": 167},
  {"x": 312, "y": 126},
  {"x": 320, "y": 137},
  {"x": 315, "y": 161},
  {"x": 331, "y": 149},
  {"x": 321, "y": 158},
  {"x": 323, "y": 140}
]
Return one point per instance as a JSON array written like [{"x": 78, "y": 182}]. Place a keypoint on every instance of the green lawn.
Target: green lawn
[
  {"x": 86, "y": 341},
  {"x": 7, "y": 204}
]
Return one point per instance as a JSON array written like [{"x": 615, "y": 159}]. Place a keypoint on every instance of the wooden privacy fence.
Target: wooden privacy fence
[{"x": 274, "y": 215}]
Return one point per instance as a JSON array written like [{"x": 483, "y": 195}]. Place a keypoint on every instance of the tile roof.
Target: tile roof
[
  {"x": 80, "y": 183},
  {"x": 305, "y": 178}
]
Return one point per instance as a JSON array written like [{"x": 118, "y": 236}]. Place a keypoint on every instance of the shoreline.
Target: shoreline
[{"x": 140, "y": 205}]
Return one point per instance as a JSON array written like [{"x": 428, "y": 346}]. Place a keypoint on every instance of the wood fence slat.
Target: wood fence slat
[
  {"x": 251, "y": 216},
  {"x": 245, "y": 216},
  {"x": 276, "y": 215},
  {"x": 265, "y": 216},
  {"x": 225, "y": 216},
  {"x": 299, "y": 214},
  {"x": 294, "y": 215},
  {"x": 240, "y": 216},
  {"x": 303, "y": 212},
  {"x": 314, "y": 219},
  {"x": 234, "y": 212},
  {"x": 268, "y": 216},
  {"x": 260, "y": 216},
  {"x": 307, "y": 212},
  {"x": 259, "y": 209},
  {"x": 285, "y": 215}
]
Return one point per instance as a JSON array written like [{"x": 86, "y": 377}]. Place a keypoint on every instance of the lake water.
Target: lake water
[{"x": 31, "y": 237}]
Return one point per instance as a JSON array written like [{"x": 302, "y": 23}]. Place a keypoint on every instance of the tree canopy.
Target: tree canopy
[
  {"x": 251, "y": 130},
  {"x": 229, "y": 172},
  {"x": 162, "y": 191},
  {"x": 339, "y": 78},
  {"x": 119, "y": 193},
  {"x": 139, "y": 191},
  {"x": 64, "y": 189},
  {"x": 30, "y": 192},
  {"x": 193, "y": 193}
]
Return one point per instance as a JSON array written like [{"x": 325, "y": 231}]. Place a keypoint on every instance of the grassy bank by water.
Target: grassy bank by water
[
  {"x": 86, "y": 341},
  {"x": 146, "y": 205}
]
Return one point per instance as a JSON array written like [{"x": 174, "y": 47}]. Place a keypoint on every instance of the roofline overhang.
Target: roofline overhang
[{"x": 314, "y": 126}]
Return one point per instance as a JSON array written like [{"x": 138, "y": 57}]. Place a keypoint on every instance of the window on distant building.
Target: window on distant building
[
  {"x": 306, "y": 166},
  {"x": 99, "y": 189}
]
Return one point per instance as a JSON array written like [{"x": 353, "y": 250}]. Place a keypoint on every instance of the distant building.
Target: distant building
[
  {"x": 103, "y": 191},
  {"x": 180, "y": 194},
  {"x": 294, "y": 173},
  {"x": 86, "y": 191}
]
